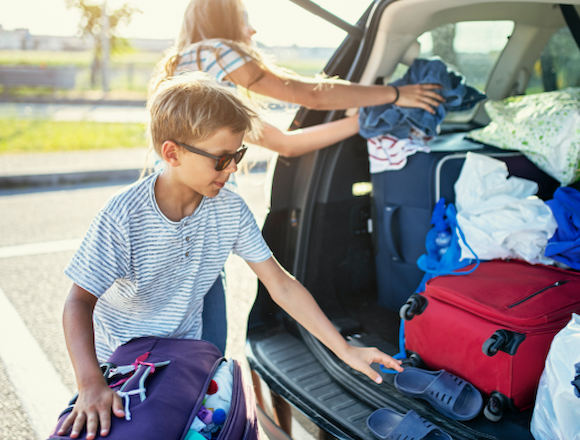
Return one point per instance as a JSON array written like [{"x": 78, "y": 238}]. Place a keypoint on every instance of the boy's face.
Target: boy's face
[{"x": 198, "y": 172}]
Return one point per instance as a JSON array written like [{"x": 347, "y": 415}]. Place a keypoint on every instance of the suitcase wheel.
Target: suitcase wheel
[
  {"x": 503, "y": 340},
  {"x": 493, "y": 411},
  {"x": 412, "y": 360},
  {"x": 415, "y": 305}
]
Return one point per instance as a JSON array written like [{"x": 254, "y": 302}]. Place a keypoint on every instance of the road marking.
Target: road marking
[
  {"x": 38, "y": 386},
  {"x": 40, "y": 248}
]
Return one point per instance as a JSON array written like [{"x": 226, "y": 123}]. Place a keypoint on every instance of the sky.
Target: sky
[{"x": 278, "y": 22}]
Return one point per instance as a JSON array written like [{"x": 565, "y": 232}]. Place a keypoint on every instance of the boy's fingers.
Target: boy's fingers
[
  {"x": 67, "y": 423},
  {"x": 78, "y": 425},
  {"x": 92, "y": 425},
  {"x": 372, "y": 374},
  {"x": 118, "y": 406},
  {"x": 105, "y": 417},
  {"x": 387, "y": 361}
]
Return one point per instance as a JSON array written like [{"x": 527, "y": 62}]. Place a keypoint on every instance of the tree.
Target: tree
[{"x": 92, "y": 22}]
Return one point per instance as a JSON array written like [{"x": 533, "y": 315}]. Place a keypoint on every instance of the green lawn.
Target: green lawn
[
  {"x": 29, "y": 135},
  {"x": 79, "y": 59}
]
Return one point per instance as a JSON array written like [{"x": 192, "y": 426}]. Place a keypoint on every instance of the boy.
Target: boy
[{"x": 155, "y": 249}]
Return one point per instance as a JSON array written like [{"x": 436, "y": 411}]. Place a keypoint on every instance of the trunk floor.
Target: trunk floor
[
  {"x": 290, "y": 360},
  {"x": 288, "y": 357}
]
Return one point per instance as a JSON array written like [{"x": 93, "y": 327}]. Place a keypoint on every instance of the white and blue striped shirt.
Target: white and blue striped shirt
[
  {"x": 150, "y": 274},
  {"x": 215, "y": 57}
]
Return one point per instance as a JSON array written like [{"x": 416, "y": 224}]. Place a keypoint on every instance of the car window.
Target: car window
[
  {"x": 558, "y": 66},
  {"x": 471, "y": 47}
]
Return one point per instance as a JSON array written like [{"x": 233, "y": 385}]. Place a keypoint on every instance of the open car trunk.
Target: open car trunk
[
  {"x": 324, "y": 228},
  {"x": 336, "y": 262}
]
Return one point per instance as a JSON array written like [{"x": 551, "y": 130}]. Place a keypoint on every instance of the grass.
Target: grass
[
  {"x": 68, "y": 58},
  {"x": 35, "y": 136}
]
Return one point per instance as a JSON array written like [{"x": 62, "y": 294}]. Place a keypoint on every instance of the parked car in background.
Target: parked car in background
[{"x": 322, "y": 225}]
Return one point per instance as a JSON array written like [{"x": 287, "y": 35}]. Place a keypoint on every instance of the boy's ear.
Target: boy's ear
[{"x": 170, "y": 153}]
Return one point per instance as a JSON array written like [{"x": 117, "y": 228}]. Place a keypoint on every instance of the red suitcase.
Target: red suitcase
[{"x": 494, "y": 326}]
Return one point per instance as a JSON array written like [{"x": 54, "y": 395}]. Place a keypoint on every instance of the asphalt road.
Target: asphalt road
[{"x": 39, "y": 231}]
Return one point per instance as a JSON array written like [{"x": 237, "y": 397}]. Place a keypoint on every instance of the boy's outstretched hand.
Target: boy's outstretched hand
[
  {"x": 93, "y": 408},
  {"x": 360, "y": 358},
  {"x": 289, "y": 294}
]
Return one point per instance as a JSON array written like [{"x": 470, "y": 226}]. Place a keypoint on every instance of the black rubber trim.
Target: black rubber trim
[
  {"x": 291, "y": 370},
  {"x": 572, "y": 20}
]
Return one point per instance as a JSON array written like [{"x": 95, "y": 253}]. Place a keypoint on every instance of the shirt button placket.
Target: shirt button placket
[{"x": 186, "y": 238}]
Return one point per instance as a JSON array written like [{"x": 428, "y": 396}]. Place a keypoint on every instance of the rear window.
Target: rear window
[
  {"x": 471, "y": 47},
  {"x": 558, "y": 66}
]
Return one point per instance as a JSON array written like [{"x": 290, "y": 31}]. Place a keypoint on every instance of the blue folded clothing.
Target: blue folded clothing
[
  {"x": 397, "y": 121},
  {"x": 564, "y": 245}
]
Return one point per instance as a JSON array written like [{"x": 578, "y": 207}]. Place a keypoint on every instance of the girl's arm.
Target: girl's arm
[
  {"x": 332, "y": 94},
  {"x": 95, "y": 400},
  {"x": 306, "y": 140},
  {"x": 289, "y": 294}
]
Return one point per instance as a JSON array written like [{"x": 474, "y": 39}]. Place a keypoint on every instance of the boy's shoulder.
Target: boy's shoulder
[
  {"x": 227, "y": 197},
  {"x": 130, "y": 199}
]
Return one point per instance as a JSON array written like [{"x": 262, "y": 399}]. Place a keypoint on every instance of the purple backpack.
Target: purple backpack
[{"x": 162, "y": 398}]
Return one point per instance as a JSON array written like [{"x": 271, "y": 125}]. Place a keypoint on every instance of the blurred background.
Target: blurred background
[{"x": 93, "y": 52}]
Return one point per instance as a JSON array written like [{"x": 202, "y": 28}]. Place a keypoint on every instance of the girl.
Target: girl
[{"x": 216, "y": 37}]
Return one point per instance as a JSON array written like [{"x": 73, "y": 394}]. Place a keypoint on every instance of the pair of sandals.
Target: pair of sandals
[{"x": 450, "y": 395}]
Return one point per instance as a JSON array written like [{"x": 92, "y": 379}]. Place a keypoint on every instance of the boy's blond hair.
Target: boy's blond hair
[{"x": 190, "y": 108}]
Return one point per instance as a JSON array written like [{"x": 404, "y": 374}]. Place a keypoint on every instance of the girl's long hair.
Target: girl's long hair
[{"x": 205, "y": 20}]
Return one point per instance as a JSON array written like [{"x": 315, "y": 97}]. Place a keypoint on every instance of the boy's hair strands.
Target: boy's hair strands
[{"x": 190, "y": 108}]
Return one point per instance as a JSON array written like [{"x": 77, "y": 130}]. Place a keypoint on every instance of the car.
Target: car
[{"x": 322, "y": 225}]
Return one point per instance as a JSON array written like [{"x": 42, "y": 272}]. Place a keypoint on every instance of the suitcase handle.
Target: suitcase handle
[{"x": 390, "y": 211}]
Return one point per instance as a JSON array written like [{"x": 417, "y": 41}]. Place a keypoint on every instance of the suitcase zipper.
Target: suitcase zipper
[
  {"x": 236, "y": 397},
  {"x": 556, "y": 284},
  {"x": 200, "y": 398}
]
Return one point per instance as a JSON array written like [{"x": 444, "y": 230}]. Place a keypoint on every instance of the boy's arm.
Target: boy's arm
[
  {"x": 95, "y": 400},
  {"x": 289, "y": 294}
]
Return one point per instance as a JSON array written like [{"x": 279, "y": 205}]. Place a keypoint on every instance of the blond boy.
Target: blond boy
[{"x": 155, "y": 249}]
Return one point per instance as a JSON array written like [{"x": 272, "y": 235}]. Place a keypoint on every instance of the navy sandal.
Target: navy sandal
[
  {"x": 387, "y": 424},
  {"x": 447, "y": 393}
]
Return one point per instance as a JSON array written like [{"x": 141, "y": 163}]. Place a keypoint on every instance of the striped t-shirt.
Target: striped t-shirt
[
  {"x": 216, "y": 58},
  {"x": 150, "y": 274}
]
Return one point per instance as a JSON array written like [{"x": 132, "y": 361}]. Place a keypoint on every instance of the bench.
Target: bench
[{"x": 54, "y": 77}]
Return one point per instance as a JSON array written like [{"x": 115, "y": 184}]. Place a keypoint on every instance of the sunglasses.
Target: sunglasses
[{"x": 221, "y": 161}]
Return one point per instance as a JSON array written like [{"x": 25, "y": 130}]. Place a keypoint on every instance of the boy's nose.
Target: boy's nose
[{"x": 231, "y": 168}]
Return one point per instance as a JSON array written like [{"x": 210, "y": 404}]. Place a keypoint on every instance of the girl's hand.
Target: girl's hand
[
  {"x": 360, "y": 358},
  {"x": 93, "y": 408},
  {"x": 420, "y": 96}
]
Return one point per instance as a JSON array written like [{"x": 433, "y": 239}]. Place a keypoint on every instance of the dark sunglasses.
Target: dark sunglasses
[{"x": 221, "y": 161}]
